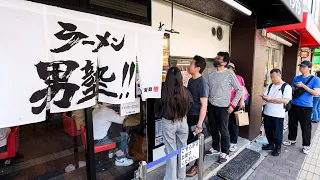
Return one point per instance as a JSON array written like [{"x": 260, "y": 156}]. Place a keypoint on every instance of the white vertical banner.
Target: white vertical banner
[
  {"x": 73, "y": 48},
  {"x": 22, "y": 46},
  {"x": 149, "y": 54},
  {"x": 117, "y": 64}
]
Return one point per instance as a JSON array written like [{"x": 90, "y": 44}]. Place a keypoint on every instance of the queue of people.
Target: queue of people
[{"x": 184, "y": 110}]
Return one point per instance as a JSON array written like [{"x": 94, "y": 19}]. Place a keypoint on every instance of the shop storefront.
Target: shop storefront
[{"x": 198, "y": 34}]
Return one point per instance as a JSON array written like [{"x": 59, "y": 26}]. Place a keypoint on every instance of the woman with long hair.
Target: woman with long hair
[
  {"x": 172, "y": 107},
  {"x": 316, "y": 105}
]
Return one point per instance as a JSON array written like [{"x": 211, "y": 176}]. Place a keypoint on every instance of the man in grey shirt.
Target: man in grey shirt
[{"x": 221, "y": 82}]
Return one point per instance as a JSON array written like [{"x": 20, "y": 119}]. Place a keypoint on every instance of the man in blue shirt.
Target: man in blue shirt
[{"x": 305, "y": 86}]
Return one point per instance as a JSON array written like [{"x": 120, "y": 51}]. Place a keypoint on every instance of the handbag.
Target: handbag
[{"x": 242, "y": 117}]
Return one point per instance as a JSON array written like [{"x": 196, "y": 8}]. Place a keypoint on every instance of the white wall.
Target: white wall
[{"x": 195, "y": 31}]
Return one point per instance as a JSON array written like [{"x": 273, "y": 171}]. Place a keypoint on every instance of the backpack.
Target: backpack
[{"x": 287, "y": 107}]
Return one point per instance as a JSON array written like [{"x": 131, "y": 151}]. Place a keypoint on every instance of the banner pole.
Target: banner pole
[{"x": 201, "y": 157}]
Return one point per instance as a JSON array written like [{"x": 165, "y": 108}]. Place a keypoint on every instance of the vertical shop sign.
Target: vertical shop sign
[
  {"x": 158, "y": 133},
  {"x": 295, "y": 7}
]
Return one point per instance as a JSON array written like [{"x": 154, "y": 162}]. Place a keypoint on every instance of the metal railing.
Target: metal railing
[{"x": 143, "y": 166}]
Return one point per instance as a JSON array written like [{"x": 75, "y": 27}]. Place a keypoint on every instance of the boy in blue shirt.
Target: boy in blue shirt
[{"x": 305, "y": 86}]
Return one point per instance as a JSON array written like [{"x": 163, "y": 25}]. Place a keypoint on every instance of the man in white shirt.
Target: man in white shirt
[
  {"x": 276, "y": 97},
  {"x": 4, "y": 134},
  {"x": 102, "y": 119}
]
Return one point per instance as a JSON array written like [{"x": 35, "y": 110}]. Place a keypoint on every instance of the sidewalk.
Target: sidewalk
[
  {"x": 211, "y": 166},
  {"x": 288, "y": 165}
]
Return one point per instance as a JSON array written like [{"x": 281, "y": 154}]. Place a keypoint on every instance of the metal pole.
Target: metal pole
[
  {"x": 201, "y": 156},
  {"x": 143, "y": 170},
  {"x": 91, "y": 164}
]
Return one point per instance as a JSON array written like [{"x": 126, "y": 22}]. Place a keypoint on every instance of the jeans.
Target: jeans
[
  {"x": 123, "y": 143},
  {"x": 302, "y": 115},
  {"x": 192, "y": 122},
  {"x": 274, "y": 130},
  {"x": 3, "y": 149},
  {"x": 233, "y": 127},
  {"x": 175, "y": 136},
  {"x": 316, "y": 109},
  {"x": 219, "y": 121}
]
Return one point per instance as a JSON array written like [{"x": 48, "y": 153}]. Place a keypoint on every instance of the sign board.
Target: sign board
[
  {"x": 130, "y": 108},
  {"x": 158, "y": 141},
  {"x": 67, "y": 58},
  {"x": 295, "y": 7},
  {"x": 158, "y": 132},
  {"x": 190, "y": 153}
]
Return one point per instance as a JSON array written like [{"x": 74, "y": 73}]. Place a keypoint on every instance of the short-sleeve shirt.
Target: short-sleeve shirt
[
  {"x": 234, "y": 91},
  {"x": 277, "y": 110},
  {"x": 306, "y": 99},
  {"x": 199, "y": 88}
]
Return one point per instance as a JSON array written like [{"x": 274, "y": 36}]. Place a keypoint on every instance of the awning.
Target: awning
[{"x": 309, "y": 32}]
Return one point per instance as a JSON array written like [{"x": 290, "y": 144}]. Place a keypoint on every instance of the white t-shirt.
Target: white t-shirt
[
  {"x": 102, "y": 119},
  {"x": 4, "y": 133},
  {"x": 277, "y": 110}
]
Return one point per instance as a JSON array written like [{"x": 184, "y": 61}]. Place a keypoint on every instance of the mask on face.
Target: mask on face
[{"x": 216, "y": 63}]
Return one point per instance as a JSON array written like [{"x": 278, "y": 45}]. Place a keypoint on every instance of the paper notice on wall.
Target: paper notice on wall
[
  {"x": 130, "y": 108},
  {"x": 158, "y": 132},
  {"x": 22, "y": 47},
  {"x": 73, "y": 51},
  {"x": 117, "y": 65},
  {"x": 149, "y": 52},
  {"x": 189, "y": 153}
]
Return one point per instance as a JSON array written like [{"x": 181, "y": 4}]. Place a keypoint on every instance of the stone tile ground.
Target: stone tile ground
[
  {"x": 287, "y": 166},
  {"x": 310, "y": 169}
]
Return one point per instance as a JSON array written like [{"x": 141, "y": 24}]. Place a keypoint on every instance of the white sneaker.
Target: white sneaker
[
  {"x": 124, "y": 162},
  {"x": 306, "y": 149},
  {"x": 212, "y": 152},
  {"x": 223, "y": 158},
  {"x": 233, "y": 147},
  {"x": 289, "y": 143}
]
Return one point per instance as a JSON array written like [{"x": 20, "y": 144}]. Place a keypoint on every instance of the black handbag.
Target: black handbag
[{"x": 299, "y": 91}]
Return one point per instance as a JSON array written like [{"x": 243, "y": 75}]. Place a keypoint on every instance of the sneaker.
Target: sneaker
[
  {"x": 111, "y": 154},
  {"x": 223, "y": 158},
  {"x": 289, "y": 143},
  {"x": 276, "y": 152},
  {"x": 306, "y": 149},
  {"x": 192, "y": 171},
  {"x": 123, "y": 162},
  {"x": 233, "y": 147},
  {"x": 212, "y": 152},
  {"x": 268, "y": 147}
]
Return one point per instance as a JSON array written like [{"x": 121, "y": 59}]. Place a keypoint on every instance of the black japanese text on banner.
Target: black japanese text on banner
[
  {"x": 22, "y": 47},
  {"x": 73, "y": 48},
  {"x": 117, "y": 64}
]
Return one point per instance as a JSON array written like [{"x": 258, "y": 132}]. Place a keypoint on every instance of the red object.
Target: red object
[
  {"x": 12, "y": 144},
  {"x": 309, "y": 33},
  {"x": 304, "y": 54},
  {"x": 97, "y": 149},
  {"x": 155, "y": 88},
  {"x": 69, "y": 125}
]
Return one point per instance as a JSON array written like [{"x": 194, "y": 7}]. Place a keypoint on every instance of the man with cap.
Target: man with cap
[
  {"x": 305, "y": 86},
  {"x": 233, "y": 127}
]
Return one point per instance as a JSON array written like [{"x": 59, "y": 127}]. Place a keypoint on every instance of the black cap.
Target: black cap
[{"x": 306, "y": 63}]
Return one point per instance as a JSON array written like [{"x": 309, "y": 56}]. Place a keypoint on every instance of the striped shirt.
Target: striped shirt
[{"x": 220, "y": 88}]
